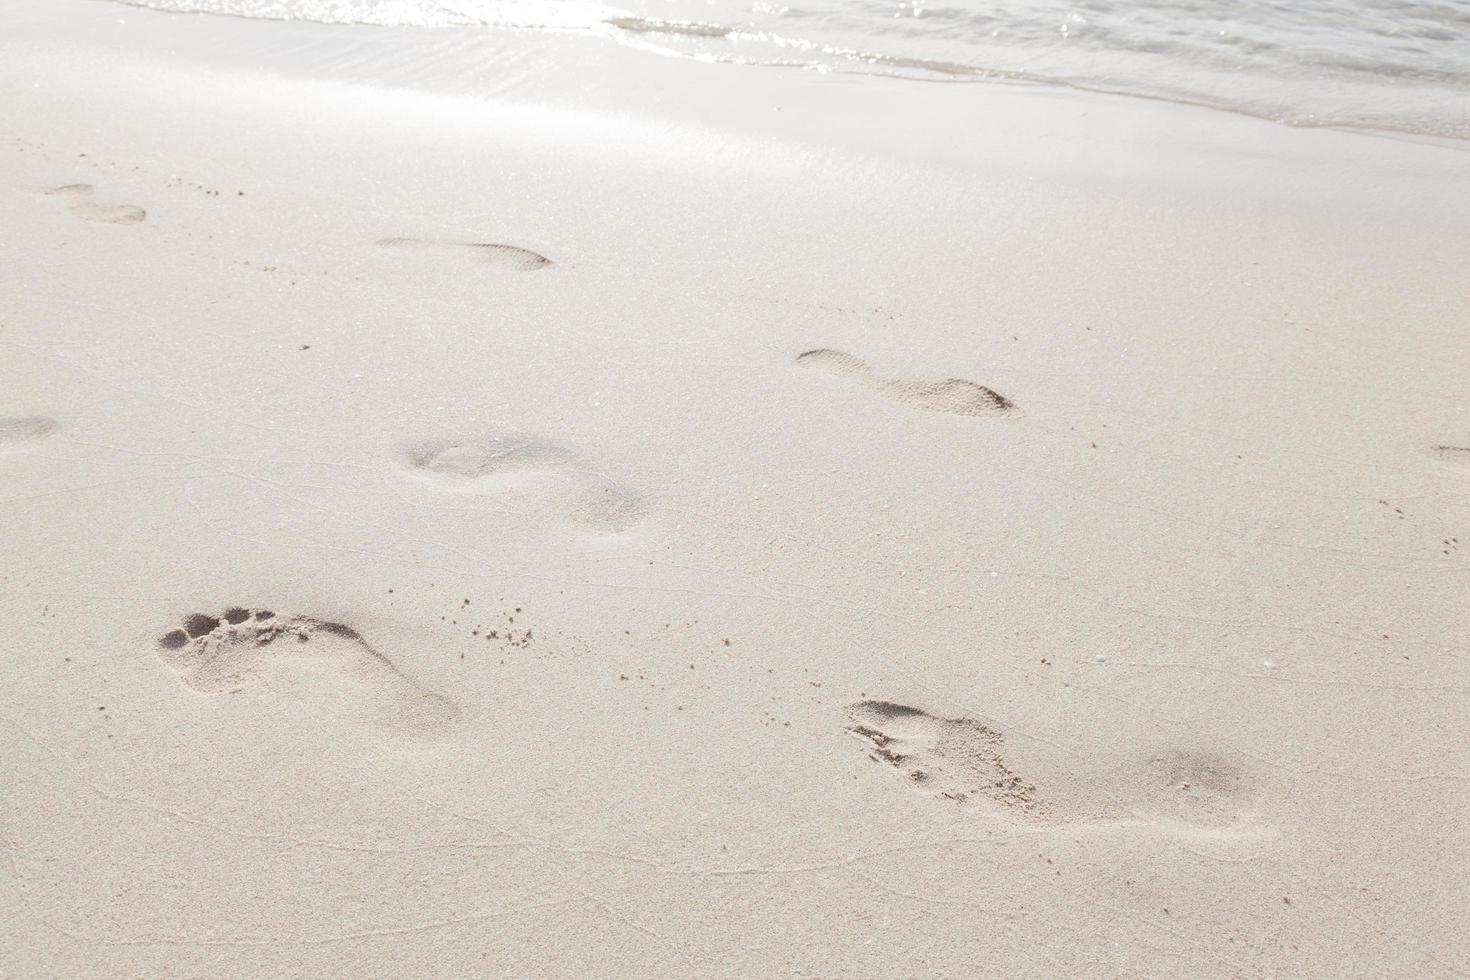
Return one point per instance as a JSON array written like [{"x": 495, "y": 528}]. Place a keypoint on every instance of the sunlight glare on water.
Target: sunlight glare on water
[{"x": 1392, "y": 64}]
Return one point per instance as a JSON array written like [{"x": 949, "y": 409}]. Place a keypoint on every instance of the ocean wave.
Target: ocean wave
[{"x": 1389, "y": 64}]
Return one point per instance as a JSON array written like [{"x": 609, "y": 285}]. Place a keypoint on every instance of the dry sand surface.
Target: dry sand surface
[{"x": 493, "y": 504}]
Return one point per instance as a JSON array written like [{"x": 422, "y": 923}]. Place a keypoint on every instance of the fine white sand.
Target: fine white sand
[{"x": 494, "y": 504}]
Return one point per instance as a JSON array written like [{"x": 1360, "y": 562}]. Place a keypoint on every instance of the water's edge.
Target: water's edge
[{"x": 1389, "y": 97}]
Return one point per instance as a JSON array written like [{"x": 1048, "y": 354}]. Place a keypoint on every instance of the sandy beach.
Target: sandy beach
[{"x": 503, "y": 504}]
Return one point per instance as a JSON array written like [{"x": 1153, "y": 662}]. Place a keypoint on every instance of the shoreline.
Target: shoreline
[{"x": 615, "y": 26}]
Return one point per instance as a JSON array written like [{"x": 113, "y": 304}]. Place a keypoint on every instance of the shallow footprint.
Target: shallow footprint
[
  {"x": 954, "y": 396},
  {"x": 112, "y": 214},
  {"x": 462, "y": 460},
  {"x": 327, "y": 663},
  {"x": 1192, "y": 788},
  {"x": 471, "y": 464},
  {"x": 955, "y": 758},
  {"x": 604, "y": 509},
  {"x": 17, "y": 432},
  {"x": 512, "y": 258}
]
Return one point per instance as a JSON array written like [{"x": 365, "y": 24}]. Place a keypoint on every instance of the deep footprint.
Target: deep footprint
[
  {"x": 245, "y": 647},
  {"x": 18, "y": 431},
  {"x": 954, "y": 396},
  {"x": 955, "y": 758},
  {"x": 112, "y": 214},
  {"x": 511, "y": 258}
]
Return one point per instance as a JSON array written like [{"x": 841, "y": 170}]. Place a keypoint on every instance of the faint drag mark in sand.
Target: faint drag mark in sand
[
  {"x": 954, "y": 396},
  {"x": 512, "y": 258},
  {"x": 87, "y": 210},
  {"x": 1455, "y": 454},
  {"x": 20, "y": 431},
  {"x": 955, "y": 758},
  {"x": 327, "y": 664},
  {"x": 472, "y": 464}
]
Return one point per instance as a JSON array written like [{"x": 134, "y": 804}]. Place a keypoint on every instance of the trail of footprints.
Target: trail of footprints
[
  {"x": 473, "y": 463},
  {"x": 334, "y": 668},
  {"x": 327, "y": 665},
  {"x": 962, "y": 760},
  {"x": 954, "y": 396},
  {"x": 83, "y": 206}
]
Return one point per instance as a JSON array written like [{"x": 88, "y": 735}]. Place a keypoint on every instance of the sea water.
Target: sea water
[{"x": 1399, "y": 65}]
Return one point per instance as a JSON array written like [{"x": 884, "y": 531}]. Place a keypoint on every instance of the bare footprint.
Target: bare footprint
[
  {"x": 1177, "y": 790},
  {"x": 326, "y": 664},
  {"x": 604, "y": 509},
  {"x": 474, "y": 464},
  {"x": 112, "y": 214},
  {"x": 459, "y": 461},
  {"x": 1194, "y": 788},
  {"x": 512, "y": 258},
  {"x": 18, "y": 432},
  {"x": 954, "y": 396},
  {"x": 954, "y": 758}
]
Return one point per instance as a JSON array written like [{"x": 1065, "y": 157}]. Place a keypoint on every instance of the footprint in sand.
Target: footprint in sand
[
  {"x": 1194, "y": 788},
  {"x": 329, "y": 665},
  {"x": 112, "y": 214},
  {"x": 471, "y": 464},
  {"x": 511, "y": 258},
  {"x": 604, "y": 509},
  {"x": 1455, "y": 454},
  {"x": 955, "y": 758},
  {"x": 462, "y": 462},
  {"x": 20, "y": 431},
  {"x": 952, "y": 395},
  {"x": 961, "y": 759}
]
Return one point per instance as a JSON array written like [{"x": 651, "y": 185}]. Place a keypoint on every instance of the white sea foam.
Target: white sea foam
[{"x": 1396, "y": 64}]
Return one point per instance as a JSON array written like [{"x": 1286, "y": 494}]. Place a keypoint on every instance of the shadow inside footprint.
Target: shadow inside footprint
[
  {"x": 332, "y": 664},
  {"x": 511, "y": 258},
  {"x": 955, "y": 758},
  {"x": 953, "y": 396}
]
